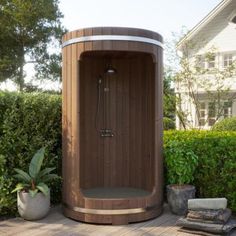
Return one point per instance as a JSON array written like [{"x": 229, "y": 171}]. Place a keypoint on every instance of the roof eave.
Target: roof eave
[{"x": 203, "y": 22}]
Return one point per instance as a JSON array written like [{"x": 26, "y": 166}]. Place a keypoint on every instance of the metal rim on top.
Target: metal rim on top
[{"x": 112, "y": 38}]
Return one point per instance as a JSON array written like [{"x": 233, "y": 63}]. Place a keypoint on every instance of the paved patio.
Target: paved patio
[{"x": 56, "y": 224}]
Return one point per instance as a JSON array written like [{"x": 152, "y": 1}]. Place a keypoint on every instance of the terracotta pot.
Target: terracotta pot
[
  {"x": 177, "y": 197},
  {"x": 33, "y": 208}
]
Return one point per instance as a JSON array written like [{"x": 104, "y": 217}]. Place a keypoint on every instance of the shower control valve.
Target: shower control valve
[{"x": 106, "y": 133}]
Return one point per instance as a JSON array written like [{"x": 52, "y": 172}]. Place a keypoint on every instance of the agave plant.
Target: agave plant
[{"x": 35, "y": 181}]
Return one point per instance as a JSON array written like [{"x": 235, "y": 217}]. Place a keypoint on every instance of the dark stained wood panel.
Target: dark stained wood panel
[
  {"x": 128, "y": 114},
  {"x": 132, "y": 108}
]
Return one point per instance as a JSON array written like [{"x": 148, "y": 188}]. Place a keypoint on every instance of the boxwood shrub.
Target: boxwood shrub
[
  {"x": 27, "y": 122},
  {"x": 216, "y": 171}
]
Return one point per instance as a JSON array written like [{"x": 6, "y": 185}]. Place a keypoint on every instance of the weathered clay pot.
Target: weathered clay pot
[
  {"x": 33, "y": 208},
  {"x": 177, "y": 197}
]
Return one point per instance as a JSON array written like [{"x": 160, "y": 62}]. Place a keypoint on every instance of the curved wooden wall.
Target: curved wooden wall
[{"x": 114, "y": 211}]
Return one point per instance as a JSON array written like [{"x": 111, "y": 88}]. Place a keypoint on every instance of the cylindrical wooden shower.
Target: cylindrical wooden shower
[{"x": 112, "y": 125}]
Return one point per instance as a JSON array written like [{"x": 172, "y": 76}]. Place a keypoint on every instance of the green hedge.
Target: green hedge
[
  {"x": 30, "y": 121},
  {"x": 27, "y": 122},
  {"x": 228, "y": 124},
  {"x": 216, "y": 172}
]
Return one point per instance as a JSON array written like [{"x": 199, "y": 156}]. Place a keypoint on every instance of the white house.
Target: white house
[{"x": 213, "y": 46}]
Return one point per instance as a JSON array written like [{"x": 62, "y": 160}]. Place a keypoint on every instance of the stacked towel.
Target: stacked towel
[
  {"x": 208, "y": 215},
  {"x": 220, "y": 216}
]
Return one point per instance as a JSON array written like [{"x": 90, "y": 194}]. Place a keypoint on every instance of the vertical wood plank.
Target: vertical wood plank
[
  {"x": 64, "y": 123},
  {"x": 112, "y": 124},
  {"x": 68, "y": 118},
  {"x": 78, "y": 90},
  {"x": 74, "y": 119}
]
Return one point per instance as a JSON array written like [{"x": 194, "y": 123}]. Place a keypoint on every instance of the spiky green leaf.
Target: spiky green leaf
[
  {"x": 45, "y": 172},
  {"x": 43, "y": 188},
  {"x": 19, "y": 187},
  {"x": 49, "y": 177},
  {"x": 36, "y": 162},
  {"x": 24, "y": 176},
  {"x": 21, "y": 178}
]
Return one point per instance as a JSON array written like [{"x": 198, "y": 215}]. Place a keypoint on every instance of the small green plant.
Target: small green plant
[
  {"x": 227, "y": 124},
  {"x": 181, "y": 163},
  {"x": 36, "y": 179}
]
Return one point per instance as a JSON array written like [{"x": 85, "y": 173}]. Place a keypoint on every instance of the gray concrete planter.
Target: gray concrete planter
[
  {"x": 177, "y": 197},
  {"x": 33, "y": 208}
]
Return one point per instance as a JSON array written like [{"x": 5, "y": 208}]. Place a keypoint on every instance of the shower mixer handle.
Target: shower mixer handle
[{"x": 106, "y": 133}]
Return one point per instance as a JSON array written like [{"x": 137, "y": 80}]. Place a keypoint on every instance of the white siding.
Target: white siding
[
  {"x": 221, "y": 36},
  {"x": 217, "y": 33},
  {"x": 224, "y": 41}
]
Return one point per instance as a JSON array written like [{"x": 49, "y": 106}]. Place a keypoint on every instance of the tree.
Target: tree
[
  {"x": 168, "y": 101},
  {"x": 29, "y": 30},
  {"x": 194, "y": 79}
]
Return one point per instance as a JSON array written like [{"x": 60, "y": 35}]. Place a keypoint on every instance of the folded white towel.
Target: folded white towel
[{"x": 207, "y": 203}]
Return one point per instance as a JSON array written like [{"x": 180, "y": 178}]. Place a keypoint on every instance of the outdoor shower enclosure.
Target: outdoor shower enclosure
[{"x": 112, "y": 125}]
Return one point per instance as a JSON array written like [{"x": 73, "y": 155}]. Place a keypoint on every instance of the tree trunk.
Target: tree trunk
[{"x": 20, "y": 79}]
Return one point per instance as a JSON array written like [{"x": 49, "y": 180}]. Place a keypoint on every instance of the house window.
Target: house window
[
  {"x": 207, "y": 61},
  {"x": 211, "y": 61},
  {"x": 227, "y": 109},
  {"x": 202, "y": 113},
  {"x": 200, "y": 62},
  {"x": 208, "y": 112},
  {"x": 211, "y": 113},
  {"x": 228, "y": 60}
]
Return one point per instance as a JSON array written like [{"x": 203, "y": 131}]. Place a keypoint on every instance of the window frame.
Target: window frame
[
  {"x": 208, "y": 120},
  {"x": 211, "y": 117},
  {"x": 204, "y": 117},
  {"x": 227, "y": 60},
  {"x": 229, "y": 109},
  {"x": 210, "y": 63}
]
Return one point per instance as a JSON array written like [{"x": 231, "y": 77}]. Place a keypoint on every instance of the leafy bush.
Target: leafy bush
[
  {"x": 27, "y": 123},
  {"x": 168, "y": 123},
  {"x": 215, "y": 175},
  {"x": 228, "y": 124},
  {"x": 5, "y": 187},
  {"x": 181, "y": 162}
]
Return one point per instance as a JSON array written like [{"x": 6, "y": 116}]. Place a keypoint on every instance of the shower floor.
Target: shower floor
[{"x": 115, "y": 192}]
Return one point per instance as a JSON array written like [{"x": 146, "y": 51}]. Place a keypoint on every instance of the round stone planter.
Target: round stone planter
[
  {"x": 33, "y": 208},
  {"x": 177, "y": 197}
]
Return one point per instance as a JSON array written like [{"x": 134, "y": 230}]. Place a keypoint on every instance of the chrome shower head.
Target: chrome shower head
[{"x": 110, "y": 70}]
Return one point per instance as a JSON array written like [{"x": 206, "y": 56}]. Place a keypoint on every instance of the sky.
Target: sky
[{"x": 162, "y": 16}]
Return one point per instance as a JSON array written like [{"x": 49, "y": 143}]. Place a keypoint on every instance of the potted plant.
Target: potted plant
[
  {"x": 33, "y": 194},
  {"x": 181, "y": 163}
]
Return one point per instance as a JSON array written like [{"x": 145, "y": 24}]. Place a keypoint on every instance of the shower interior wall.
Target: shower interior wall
[{"x": 126, "y": 107}]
